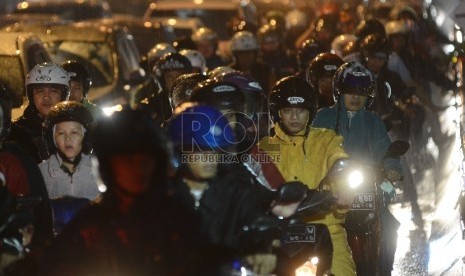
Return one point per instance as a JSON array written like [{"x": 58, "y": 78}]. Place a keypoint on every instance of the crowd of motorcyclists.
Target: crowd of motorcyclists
[{"x": 169, "y": 184}]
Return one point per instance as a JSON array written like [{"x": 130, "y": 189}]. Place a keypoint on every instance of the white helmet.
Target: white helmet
[
  {"x": 196, "y": 58},
  {"x": 158, "y": 51},
  {"x": 244, "y": 41},
  {"x": 340, "y": 41},
  {"x": 203, "y": 33},
  {"x": 48, "y": 73},
  {"x": 396, "y": 27}
]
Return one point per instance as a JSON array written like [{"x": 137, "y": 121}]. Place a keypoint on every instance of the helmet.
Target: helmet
[
  {"x": 309, "y": 50},
  {"x": 172, "y": 62},
  {"x": 268, "y": 34},
  {"x": 396, "y": 27},
  {"x": 244, "y": 41},
  {"x": 6, "y": 104},
  {"x": 340, "y": 41},
  {"x": 220, "y": 94},
  {"x": 353, "y": 77},
  {"x": 369, "y": 26},
  {"x": 204, "y": 33},
  {"x": 323, "y": 65},
  {"x": 81, "y": 74},
  {"x": 292, "y": 91},
  {"x": 157, "y": 52},
  {"x": 196, "y": 58},
  {"x": 64, "y": 112},
  {"x": 219, "y": 70},
  {"x": 127, "y": 132},
  {"x": 255, "y": 98},
  {"x": 48, "y": 73},
  {"x": 375, "y": 45},
  {"x": 183, "y": 86},
  {"x": 200, "y": 126}
]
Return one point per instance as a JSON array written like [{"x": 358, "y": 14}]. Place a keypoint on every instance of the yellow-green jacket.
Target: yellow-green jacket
[{"x": 302, "y": 159}]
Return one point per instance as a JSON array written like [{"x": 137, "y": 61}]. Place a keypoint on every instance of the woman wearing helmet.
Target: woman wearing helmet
[
  {"x": 245, "y": 50},
  {"x": 46, "y": 85},
  {"x": 320, "y": 74},
  {"x": 366, "y": 139},
  {"x": 305, "y": 154},
  {"x": 68, "y": 171}
]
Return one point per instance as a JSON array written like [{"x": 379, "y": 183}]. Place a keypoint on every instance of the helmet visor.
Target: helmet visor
[{"x": 358, "y": 85}]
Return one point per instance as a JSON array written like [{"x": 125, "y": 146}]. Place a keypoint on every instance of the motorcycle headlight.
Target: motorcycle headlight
[{"x": 355, "y": 178}]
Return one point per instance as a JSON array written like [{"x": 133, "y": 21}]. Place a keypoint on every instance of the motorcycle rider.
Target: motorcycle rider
[
  {"x": 197, "y": 60},
  {"x": 225, "y": 199},
  {"x": 68, "y": 172},
  {"x": 206, "y": 41},
  {"x": 366, "y": 139},
  {"x": 183, "y": 86},
  {"x": 245, "y": 49},
  {"x": 320, "y": 74},
  {"x": 21, "y": 176},
  {"x": 80, "y": 84},
  {"x": 135, "y": 229},
  {"x": 273, "y": 51},
  {"x": 166, "y": 70},
  {"x": 46, "y": 85},
  {"x": 302, "y": 153}
]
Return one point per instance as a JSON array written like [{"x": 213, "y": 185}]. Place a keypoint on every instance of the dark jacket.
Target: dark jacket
[{"x": 26, "y": 131}]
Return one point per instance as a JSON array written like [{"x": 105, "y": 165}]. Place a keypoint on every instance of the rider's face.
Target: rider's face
[
  {"x": 294, "y": 119},
  {"x": 354, "y": 102},
  {"x": 203, "y": 165},
  {"x": 45, "y": 97},
  {"x": 68, "y": 138}
]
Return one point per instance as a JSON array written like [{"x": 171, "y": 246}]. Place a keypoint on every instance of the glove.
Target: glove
[{"x": 262, "y": 264}]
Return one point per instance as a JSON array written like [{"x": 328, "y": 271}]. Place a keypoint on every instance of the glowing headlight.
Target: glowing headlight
[
  {"x": 355, "y": 179},
  {"x": 111, "y": 109}
]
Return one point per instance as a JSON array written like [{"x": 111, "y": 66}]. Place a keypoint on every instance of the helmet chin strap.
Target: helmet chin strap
[{"x": 74, "y": 162}]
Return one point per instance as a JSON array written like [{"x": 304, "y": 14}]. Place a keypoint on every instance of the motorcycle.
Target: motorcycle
[
  {"x": 371, "y": 228},
  {"x": 16, "y": 218},
  {"x": 301, "y": 248}
]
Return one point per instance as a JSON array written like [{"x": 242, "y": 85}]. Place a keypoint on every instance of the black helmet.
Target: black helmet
[
  {"x": 353, "y": 77},
  {"x": 292, "y": 91},
  {"x": 5, "y": 116},
  {"x": 219, "y": 94},
  {"x": 277, "y": 19},
  {"x": 369, "y": 26},
  {"x": 172, "y": 62},
  {"x": 63, "y": 112},
  {"x": 323, "y": 65},
  {"x": 308, "y": 51},
  {"x": 126, "y": 132},
  {"x": 183, "y": 86},
  {"x": 375, "y": 45},
  {"x": 255, "y": 97},
  {"x": 81, "y": 74}
]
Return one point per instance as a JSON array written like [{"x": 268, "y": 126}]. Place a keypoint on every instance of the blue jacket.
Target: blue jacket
[{"x": 366, "y": 140}]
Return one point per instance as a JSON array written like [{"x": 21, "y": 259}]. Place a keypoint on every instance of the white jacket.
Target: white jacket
[{"x": 59, "y": 183}]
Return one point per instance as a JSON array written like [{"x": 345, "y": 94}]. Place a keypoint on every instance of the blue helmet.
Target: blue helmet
[{"x": 199, "y": 128}]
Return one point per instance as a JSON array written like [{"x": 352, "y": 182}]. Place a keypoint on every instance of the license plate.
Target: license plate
[
  {"x": 300, "y": 233},
  {"x": 364, "y": 201}
]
